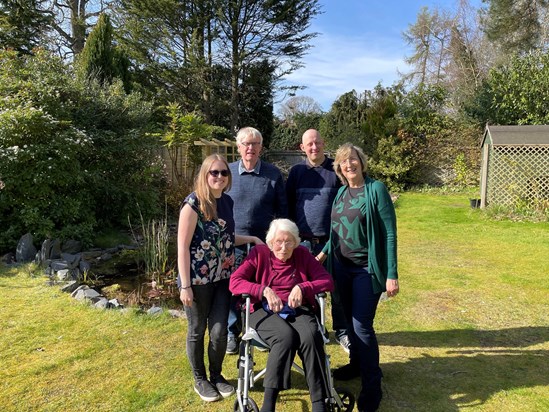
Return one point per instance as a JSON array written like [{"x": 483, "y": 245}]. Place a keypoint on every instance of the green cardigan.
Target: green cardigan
[{"x": 381, "y": 232}]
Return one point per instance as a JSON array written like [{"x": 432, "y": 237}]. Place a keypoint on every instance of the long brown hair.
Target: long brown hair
[{"x": 202, "y": 189}]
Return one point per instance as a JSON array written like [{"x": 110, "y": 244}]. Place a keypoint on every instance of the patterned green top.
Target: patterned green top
[
  {"x": 374, "y": 223},
  {"x": 348, "y": 221}
]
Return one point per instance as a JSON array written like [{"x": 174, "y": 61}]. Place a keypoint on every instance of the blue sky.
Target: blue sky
[{"x": 360, "y": 44}]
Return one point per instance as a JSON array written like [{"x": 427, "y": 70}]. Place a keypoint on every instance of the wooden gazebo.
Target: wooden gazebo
[{"x": 515, "y": 166}]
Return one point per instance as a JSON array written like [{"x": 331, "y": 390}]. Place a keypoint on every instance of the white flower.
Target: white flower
[
  {"x": 199, "y": 255},
  {"x": 205, "y": 244}
]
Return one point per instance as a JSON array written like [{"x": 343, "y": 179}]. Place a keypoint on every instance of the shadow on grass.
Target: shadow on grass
[
  {"x": 507, "y": 338},
  {"x": 477, "y": 366}
]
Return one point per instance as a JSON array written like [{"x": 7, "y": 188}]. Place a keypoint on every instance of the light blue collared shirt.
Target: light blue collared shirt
[{"x": 255, "y": 170}]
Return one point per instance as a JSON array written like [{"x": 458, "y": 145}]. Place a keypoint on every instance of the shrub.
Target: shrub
[{"x": 74, "y": 155}]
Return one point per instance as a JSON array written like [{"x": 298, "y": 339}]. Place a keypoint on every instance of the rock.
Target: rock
[
  {"x": 25, "y": 249},
  {"x": 113, "y": 303},
  {"x": 63, "y": 274},
  {"x": 55, "y": 249},
  {"x": 174, "y": 313},
  {"x": 72, "y": 260},
  {"x": 102, "y": 303},
  {"x": 84, "y": 266},
  {"x": 155, "y": 311},
  {"x": 72, "y": 246},
  {"x": 58, "y": 265},
  {"x": 105, "y": 256},
  {"x": 45, "y": 251},
  {"x": 69, "y": 286},
  {"x": 8, "y": 258},
  {"x": 85, "y": 293}
]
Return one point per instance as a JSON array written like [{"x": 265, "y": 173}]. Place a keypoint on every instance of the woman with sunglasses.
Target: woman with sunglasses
[{"x": 205, "y": 258}]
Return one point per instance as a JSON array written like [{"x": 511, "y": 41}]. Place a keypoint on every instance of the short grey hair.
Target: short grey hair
[
  {"x": 248, "y": 132},
  {"x": 282, "y": 225}
]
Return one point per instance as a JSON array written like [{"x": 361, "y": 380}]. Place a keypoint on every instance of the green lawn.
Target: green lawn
[{"x": 469, "y": 330}]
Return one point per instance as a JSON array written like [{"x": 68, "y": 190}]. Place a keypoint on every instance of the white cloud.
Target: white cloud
[{"x": 338, "y": 64}]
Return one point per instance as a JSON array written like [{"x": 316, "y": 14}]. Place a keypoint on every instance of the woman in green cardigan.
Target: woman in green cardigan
[{"x": 362, "y": 255}]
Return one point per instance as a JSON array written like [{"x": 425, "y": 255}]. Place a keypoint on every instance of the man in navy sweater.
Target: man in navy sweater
[
  {"x": 259, "y": 196},
  {"x": 311, "y": 188}
]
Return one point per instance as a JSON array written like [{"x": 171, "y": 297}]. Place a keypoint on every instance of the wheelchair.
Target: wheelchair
[{"x": 339, "y": 400}]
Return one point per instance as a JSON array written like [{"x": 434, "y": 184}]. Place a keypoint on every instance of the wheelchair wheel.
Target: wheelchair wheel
[
  {"x": 347, "y": 399},
  {"x": 251, "y": 407}
]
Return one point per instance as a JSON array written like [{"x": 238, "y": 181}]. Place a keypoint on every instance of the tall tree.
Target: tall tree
[
  {"x": 22, "y": 24},
  {"x": 254, "y": 30},
  {"x": 183, "y": 48},
  {"x": 72, "y": 21},
  {"x": 100, "y": 58},
  {"x": 430, "y": 37},
  {"x": 517, "y": 26}
]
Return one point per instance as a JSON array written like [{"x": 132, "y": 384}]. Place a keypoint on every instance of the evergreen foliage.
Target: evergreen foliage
[
  {"x": 74, "y": 156},
  {"x": 22, "y": 24},
  {"x": 515, "y": 92},
  {"x": 101, "y": 59}
]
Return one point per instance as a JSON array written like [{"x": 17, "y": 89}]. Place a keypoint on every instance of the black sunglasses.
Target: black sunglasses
[{"x": 216, "y": 173}]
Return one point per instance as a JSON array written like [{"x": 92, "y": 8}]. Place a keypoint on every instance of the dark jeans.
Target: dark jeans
[
  {"x": 339, "y": 323},
  {"x": 360, "y": 304},
  {"x": 210, "y": 309},
  {"x": 285, "y": 337}
]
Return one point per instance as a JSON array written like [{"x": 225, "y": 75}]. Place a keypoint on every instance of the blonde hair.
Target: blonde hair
[
  {"x": 343, "y": 153},
  {"x": 248, "y": 132},
  {"x": 283, "y": 225},
  {"x": 206, "y": 199}
]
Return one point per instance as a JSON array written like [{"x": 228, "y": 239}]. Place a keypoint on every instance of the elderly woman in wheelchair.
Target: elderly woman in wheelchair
[{"x": 282, "y": 278}]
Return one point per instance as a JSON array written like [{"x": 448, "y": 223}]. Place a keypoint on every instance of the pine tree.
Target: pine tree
[{"x": 22, "y": 24}]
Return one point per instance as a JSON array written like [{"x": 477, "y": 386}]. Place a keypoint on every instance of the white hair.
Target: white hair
[{"x": 282, "y": 225}]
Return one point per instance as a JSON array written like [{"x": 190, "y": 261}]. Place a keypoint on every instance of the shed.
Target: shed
[{"x": 515, "y": 166}]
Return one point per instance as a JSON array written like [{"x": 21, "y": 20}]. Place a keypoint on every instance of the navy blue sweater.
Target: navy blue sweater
[
  {"x": 311, "y": 192},
  {"x": 258, "y": 199}
]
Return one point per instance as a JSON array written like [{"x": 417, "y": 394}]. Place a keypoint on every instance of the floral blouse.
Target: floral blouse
[{"x": 212, "y": 245}]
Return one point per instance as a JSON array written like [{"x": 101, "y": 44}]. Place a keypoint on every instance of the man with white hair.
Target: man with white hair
[{"x": 259, "y": 197}]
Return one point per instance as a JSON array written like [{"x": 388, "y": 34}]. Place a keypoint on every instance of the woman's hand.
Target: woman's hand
[
  {"x": 296, "y": 297},
  {"x": 392, "y": 287},
  {"x": 275, "y": 304},
  {"x": 186, "y": 296},
  {"x": 321, "y": 257}
]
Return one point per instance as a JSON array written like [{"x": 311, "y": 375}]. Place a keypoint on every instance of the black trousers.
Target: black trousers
[{"x": 298, "y": 334}]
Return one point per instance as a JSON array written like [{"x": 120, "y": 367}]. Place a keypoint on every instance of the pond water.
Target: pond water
[{"x": 133, "y": 288}]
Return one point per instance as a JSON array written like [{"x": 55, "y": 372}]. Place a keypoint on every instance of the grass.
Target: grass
[{"x": 468, "y": 332}]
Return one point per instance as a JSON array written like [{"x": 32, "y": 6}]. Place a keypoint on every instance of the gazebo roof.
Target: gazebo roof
[{"x": 516, "y": 135}]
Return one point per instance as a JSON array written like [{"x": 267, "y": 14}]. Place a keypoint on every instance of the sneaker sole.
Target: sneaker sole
[
  {"x": 226, "y": 394},
  {"x": 206, "y": 398}
]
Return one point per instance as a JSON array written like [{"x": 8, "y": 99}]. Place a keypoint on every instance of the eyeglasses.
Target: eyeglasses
[
  {"x": 253, "y": 144},
  {"x": 216, "y": 173},
  {"x": 286, "y": 243}
]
